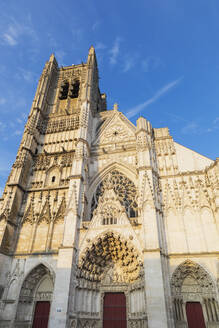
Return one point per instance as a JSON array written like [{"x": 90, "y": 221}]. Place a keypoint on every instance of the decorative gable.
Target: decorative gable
[
  {"x": 61, "y": 211},
  {"x": 45, "y": 213},
  {"x": 116, "y": 129},
  {"x": 29, "y": 215}
]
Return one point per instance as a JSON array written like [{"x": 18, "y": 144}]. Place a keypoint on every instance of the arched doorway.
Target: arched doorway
[
  {"x": 35, "y": 298},
  {"x": 194, "y": 296},
  {"x": 110, "y": 283}
]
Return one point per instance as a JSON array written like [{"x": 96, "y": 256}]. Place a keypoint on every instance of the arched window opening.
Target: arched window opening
[
  {"x": 133, "y": 214},
  {"x": 53, "y": 175},
  {"x": 63, "y": 93},
  {"x": 123, "y": 187},
  {"x": 109, "y": 220},
  {"x": 74, "y": 89}
]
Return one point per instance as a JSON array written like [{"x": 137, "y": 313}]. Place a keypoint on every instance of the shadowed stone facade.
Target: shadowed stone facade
[{"x": 95, "y": 205}]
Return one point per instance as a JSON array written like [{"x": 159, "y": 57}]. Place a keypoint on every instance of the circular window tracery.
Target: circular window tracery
[{"x": 123, "y": 187}]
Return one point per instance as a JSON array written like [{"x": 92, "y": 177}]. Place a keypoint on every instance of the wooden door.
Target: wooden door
[
  {"x": 114, "y": 310},
  {"x": 41, "y": 315},
  {"x": 194, "y": 314}
]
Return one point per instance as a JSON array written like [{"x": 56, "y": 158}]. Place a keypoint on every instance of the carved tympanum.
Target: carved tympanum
[
  {"x": 110, "y": 259},
  {"x": 191, "y": 269}
]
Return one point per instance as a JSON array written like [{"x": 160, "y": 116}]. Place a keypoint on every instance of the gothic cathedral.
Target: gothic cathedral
[{"x": 104, "y": 224}]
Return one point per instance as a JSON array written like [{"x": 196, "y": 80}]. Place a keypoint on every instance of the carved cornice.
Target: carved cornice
[
  {"x": 193, "y": 254},
  {"x": 30, "y": 190},
  {"x": 76, "y": 177},
  {"x": 17, "y": 185},
  {"x": 151, "y": 250}
]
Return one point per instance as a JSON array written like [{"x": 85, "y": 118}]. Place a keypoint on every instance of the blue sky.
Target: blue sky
[{"x": 159, "y": 59}]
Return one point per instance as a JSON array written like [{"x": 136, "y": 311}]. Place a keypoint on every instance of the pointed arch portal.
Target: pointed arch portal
[
  {"x": 194, "y": 296},
  {"x": 35, "y": 297},
  {"x": 110, "y": 275}
]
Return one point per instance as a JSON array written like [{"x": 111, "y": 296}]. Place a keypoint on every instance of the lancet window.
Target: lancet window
[
  {"x": 74, "y": 89},
  {"x": 69, "y": 90},
  {"x": 63, "y": 93},
  {"x": 123, "y": 187}
]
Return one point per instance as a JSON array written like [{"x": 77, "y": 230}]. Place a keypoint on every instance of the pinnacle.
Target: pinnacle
[
  {"x": 52, "y": 59},
  {"x": 52, "y": 56},
  {"x": 91, "y": 50}
]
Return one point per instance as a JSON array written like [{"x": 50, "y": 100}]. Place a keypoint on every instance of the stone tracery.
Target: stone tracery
[
  {"x": 189, "y": 268},
  {"x": 124, "y": 189},
  {"x": 33, "y": 289},
  {"x": 31, "y": 281}
]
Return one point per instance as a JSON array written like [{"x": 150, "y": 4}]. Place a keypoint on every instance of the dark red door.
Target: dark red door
[
  {"x": 41, "y": 315},
  {"x": 194, "y": 314},
  {"x": 114, "y": 310}
]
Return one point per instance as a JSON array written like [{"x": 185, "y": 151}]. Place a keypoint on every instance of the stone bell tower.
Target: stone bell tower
[{"x": 48, "y": 176}]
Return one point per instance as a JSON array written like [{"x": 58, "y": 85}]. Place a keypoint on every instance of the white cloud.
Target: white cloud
[
  {"x": 12, "y": 124},
  {"x": 216, "y": 120},
  {"x": 2, "y": 101},
  {"x": 2, "y": 127},
  {"x": 60, "y": 54},
  {"x": 128, "y": 64},
  {"x": 175, "y": 118},
  {"x": 95, "y": 25},
  {"x": 77, "y": 34},
  {"x": 150, "y": 63},
  {"x": 26, "y": 75},
  {"x": 21, "y": 102},
  {"x": 52, "y": 41},
  {"x": 100, "y": 46},
  {"x": 17, "y": 132},
  {"x": 9, "y": 39},
  {"x": 24, "y": 116},
  {"x": 190, "y": 128},
  {"x": 114, "y": 51},
  {"x": 135, "y": 110},
  {"x": 15, "y": 30}
]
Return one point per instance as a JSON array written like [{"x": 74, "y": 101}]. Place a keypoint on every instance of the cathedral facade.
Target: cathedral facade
[{"x": 104, "y": 223}]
